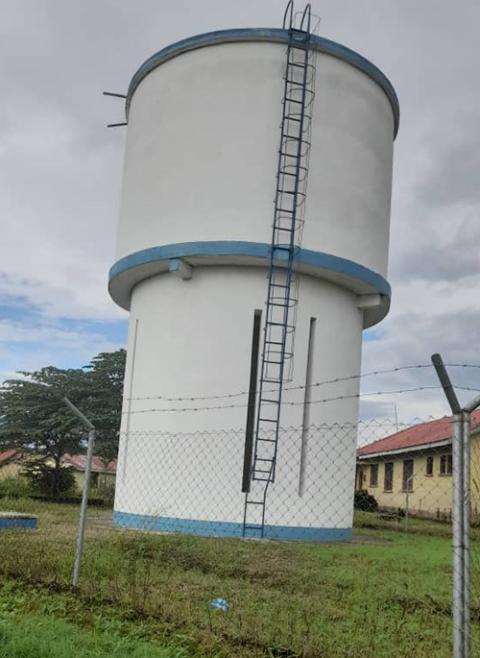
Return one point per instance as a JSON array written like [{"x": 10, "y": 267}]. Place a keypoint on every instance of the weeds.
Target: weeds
[{"x": 388, "y": 596}]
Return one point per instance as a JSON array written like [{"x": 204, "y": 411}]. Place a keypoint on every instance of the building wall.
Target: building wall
[
  {"x": 194, "y": 338},
  {"x": 202, "y": 148},
  {"x": 10, "y": 470},
  {"x": 200, "y": 168},
  {"x": 431, "y": 495},
  {"x": 204, "y": 348},
  {"x": 475, "y": 474},
  {"x": 98, "y": 480}
]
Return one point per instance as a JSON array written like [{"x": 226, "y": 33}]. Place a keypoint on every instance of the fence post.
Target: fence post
[
  {"x": 457, "y": 538},
  {"x": 457, "y": 508},
  {"x": 407, "y": 501},
  {"x": 466, "y": 426},
  {"x": 86, "y": 489},
  {"x": 460, "y": 512}
]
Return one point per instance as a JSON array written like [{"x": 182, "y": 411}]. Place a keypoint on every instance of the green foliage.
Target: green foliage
[
  {"x": 365, "y": 501},
  {"x": 48, "y": 480},
  {"x": 104, "y": 494},
  {"x": 387, "y": 594},
  {"x": 34, "y": 417},
  {"x": 106, "y": 373},
  {"x": 46, "y": 637},
  {"x": 14, "y": 487}
]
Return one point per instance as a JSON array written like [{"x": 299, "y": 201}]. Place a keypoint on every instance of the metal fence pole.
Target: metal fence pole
[
  {"x": 407, "y": 501},
  {"x": 458, "y": 603},
  {"x": 406, "y": 510},
  {"x": 461, "y": 513},
  {"x": 457, "y": 507},
  {"x": 466, "y": 428},
  {"x": 85, "y": 492},
  {"x": 83, "y": 509}
]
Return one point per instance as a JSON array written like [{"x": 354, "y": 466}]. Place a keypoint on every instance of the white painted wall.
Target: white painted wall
[
  {"x": 200, "y": 165},
  {"x": 202, "y": 150},
  {"x": 193, "y": 338}
]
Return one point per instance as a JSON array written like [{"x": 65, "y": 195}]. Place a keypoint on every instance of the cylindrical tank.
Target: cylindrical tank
[{"x": 192, "y": 254}]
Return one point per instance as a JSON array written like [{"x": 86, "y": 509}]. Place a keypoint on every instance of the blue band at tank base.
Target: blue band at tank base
[{"x": 226, "y": 528}]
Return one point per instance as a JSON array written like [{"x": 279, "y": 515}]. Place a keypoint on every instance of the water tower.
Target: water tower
[{"x": 220, "y": 125}]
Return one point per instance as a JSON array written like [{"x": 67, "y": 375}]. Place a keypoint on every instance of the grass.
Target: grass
[
  {"x": 386, "y": 594},
  {"x": 44, "y": 637}
]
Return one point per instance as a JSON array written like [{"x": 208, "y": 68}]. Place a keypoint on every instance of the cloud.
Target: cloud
[
  {"x": 428, "y": 318},
  {"x": 440, "y": 208},
  {"x": 61, "y": 171},
  {"x": 27, "y": 345},
  {"x": 453, "y": 178}
]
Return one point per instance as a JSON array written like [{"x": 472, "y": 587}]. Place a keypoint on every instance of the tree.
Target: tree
[
  {"x": 34, "y": 419},
  {"x": 106, "y": 373},
  {"x": 44, "y": 479}
]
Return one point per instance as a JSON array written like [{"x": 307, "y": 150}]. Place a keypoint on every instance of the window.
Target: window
[
  {"x": 360, "y": 477},
  {"x": 445, "y": 464},
  {"x": 373, "y": 475},
  {"x": 407, "y": 483},
  {"x": 429, "y": 467},
  {"x": 388, "y": 484}
]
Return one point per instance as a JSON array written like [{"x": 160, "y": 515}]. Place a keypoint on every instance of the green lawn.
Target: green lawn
[
  {"x": 385, "y": 594},
  {"x": 46, "y": 637}
]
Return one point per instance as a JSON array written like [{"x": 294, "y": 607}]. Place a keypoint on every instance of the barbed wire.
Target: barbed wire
[
  {"x": 301, "y": 402},
  {"x": 300, "y": 387},
  {"x": 361, "y": 423}
]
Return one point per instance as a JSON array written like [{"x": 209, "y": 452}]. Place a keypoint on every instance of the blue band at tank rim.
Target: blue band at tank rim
[
  {"x": 233, "y": 248},
  {"x": 274, "y": 35}
]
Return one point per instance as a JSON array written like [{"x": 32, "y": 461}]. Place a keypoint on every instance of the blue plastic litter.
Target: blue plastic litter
[{"x": 219, "y": 604}]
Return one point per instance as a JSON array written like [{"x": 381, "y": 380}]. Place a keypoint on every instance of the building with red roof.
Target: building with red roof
[
  {"x": 413, "y": 468},
  {"x": 102, "y": 474},
  {"x": 10, "y": 463}
]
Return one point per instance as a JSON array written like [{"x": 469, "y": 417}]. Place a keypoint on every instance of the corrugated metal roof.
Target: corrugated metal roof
[
  {"x": 98, "y": 465},
  {"x": 434, "y": 431},
  {"x": 7, "y": 455}
]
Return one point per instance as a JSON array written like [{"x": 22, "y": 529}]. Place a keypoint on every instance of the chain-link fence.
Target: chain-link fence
[{"x": 348, "y": 554}]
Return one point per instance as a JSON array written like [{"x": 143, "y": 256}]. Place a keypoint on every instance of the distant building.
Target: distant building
[
  {"x": 10, "y": 464},
  {"x": 102, "y": 474},
  {"x": 417, "y": 461}
]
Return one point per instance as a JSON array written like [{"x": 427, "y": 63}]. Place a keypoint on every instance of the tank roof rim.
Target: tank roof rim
[{"x": 275, "y": 35}]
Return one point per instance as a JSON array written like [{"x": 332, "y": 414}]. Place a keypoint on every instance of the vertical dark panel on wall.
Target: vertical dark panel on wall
[{"x": 252, "y": 398}]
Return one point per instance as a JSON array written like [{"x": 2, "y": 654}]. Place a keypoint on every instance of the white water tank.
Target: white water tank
[{"x": 192, "y": 252}]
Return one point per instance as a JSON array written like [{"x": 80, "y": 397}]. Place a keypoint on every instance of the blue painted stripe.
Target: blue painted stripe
[
  {"x": 225, "y": 528},
  {"x": 266, "y": 34},
  {"x": 315, "y": 259},
  {"x": 13, "y": 522}
]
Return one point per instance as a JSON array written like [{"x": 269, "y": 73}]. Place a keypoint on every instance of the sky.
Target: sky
[{"x": 61, "y": 174}]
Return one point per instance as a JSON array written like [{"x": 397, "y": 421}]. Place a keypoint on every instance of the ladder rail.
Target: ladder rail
[
  {"x": 291, "y": 256},
  {"x": 291, "y": 252},
  {"x": 281, "y": 304}
]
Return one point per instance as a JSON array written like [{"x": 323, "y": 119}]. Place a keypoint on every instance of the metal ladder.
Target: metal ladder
[{"x": 279, "y": 323}]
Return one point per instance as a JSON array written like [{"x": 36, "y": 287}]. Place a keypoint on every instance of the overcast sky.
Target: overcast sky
[{"x": 61, "y": 172}]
